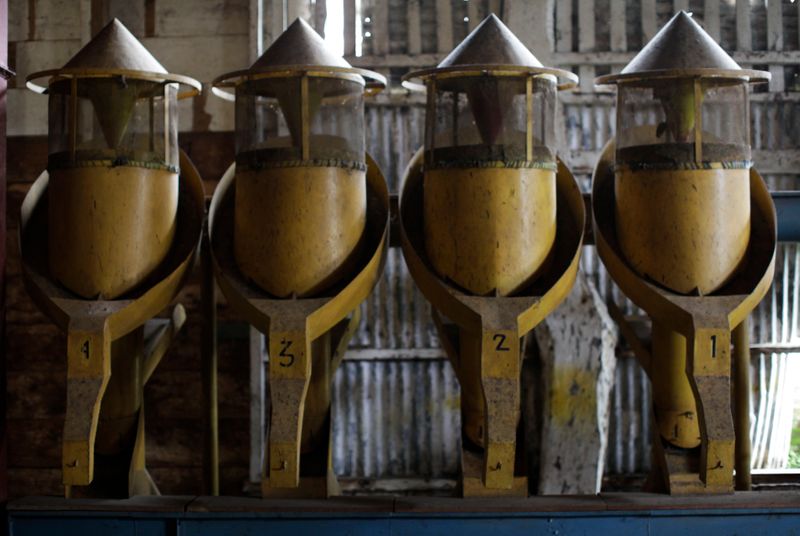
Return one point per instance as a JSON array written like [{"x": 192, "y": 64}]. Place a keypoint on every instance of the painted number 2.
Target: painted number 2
[
  {"x": 500, "y": 339},
  {"x": 289, "y": 357}
]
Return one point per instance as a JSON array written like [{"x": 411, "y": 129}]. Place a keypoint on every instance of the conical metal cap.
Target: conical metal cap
[
  {"x": 682, "y": 48},
  {"x": 115, "y": 47},
  {"x": 492, "y": 48},
  {"x": 299, "y": 50},
  {"x": 115, "y": 51},
  {"x": 298, "y": 46},
  {"x": 490, "y": 43}
]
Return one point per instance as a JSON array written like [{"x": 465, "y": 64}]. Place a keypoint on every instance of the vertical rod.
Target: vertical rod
[
  {"x": 167, "y": 137},
  {"x": 529, "y": 119},
  {"x": 741, "y": 397},
  {"x": 152, "y": 124},
  {"x": 456, "y": 97},
  {"x": 304, "y": 118},
  {"x": 698, "y": 120},
  {"x": 209, "y": 359},
  {"x": 3, "y": 378},
  {"x": 430, "y": 121},
  {"x": 73, "y": 118}
]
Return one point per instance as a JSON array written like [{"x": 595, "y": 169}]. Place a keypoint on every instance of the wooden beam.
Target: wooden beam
[
  {"x": 711, "y": 18},
  {"x": 258, "y": 401},
  {"x": 619, "y": 42},
  {"x": 473, "y": 13},
  {"x": 320, "y": 15},
  {"x": 744, "y": 39},
  {"x": 256, "y": 29},
  {"x": 349, "y": 27},
  {"x": 413, "y": 17},
  {"x": 3, "y": 257},
  {"x": 576, "y": 352},
  {"x": 775, "y": 42},
  {"x": 444, "y": 26},
  {"x": 532, "y": 22},
  {"x": 563, "y": 26},
  {"x": 649, "y": 24},
  {"x": 380, "y": 25},
  {"x": 586, "y": 43},
  {"x": 86, "y": 21},
  {"x": 275, "y": 20},
  {"x": 775, "y": 26}
]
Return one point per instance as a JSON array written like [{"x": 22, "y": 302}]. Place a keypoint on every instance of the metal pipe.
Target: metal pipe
[
  {"x": 741, "y": 404},
  {"x": 209, "y": 359},
  {"x": 787, "y": 207},
  {"x": 674, "y": 401}
]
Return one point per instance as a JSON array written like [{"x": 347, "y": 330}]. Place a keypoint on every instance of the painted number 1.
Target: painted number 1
[
  {"x": 713, "y": 346},
  {"x": 85, "y": 349}
]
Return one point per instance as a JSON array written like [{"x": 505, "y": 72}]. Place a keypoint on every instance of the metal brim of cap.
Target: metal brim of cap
[
  {"x": 373, "y": 82},
  {"x": 194, "y": 87},
  {"x": 567, "y": 79},
  {"x": 751, "y": 76}
]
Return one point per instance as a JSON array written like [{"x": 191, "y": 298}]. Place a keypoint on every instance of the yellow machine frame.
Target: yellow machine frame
[
  {"x": 307, "y": 341},
  {"x": 705, "y": 322},
  {"x": 482, "y": 335},
  {"x": 106, "y": 336}
]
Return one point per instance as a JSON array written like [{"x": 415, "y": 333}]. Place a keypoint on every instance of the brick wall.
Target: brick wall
[{"x": 199, "y": 38}]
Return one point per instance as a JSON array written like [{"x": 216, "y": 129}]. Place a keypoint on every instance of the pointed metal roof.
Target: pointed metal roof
[
  {"x": 682, "y": 48},
  {"x": 491, "y": 47},
  {"x": 115, "y": 51},
  {"x": 299, "y": 50},
  {"x": 490, "y": 43},
  {"x": 115, "y": 47},
  {"x": 299, "y": 45}
]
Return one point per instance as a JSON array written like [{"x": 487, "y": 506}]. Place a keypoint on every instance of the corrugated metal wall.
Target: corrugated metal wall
[{"x": 396, "y": 399}]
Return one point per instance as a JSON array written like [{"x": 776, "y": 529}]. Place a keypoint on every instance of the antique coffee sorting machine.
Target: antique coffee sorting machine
[
  {"x": 686, "y": 228},
  {"x": 298, "y": 234},
  {"x": 492, "y": 225},
  {"x": 108, "y": 234}
]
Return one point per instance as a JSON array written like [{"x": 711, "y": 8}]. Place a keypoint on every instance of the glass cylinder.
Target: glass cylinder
[
  {"x": 489, "y": 180},
  {"x": 113, "y": 165},
  {"x": 300, "y": 205},
  {"x": 682, "y": 180}
]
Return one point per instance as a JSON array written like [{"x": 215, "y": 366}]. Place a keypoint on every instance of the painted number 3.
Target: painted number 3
[{"x": 285, "y": 354}]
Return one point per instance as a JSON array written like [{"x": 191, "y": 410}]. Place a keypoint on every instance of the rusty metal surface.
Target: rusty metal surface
[{"x": 397, "y": 418}]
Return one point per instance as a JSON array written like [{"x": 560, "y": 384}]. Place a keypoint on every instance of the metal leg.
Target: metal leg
[{"x": 741, "y": 394}]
